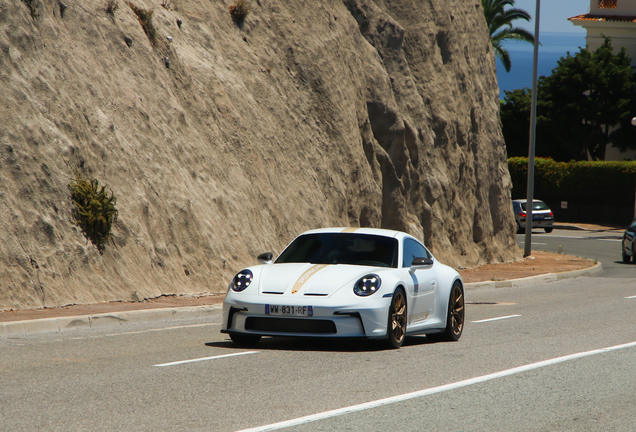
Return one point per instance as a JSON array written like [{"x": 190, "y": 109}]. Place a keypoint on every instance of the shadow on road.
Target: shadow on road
[{"x": 321, "y": 344}]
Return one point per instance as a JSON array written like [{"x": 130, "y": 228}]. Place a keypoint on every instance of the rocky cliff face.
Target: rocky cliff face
[{"x": 223, "y": 140}]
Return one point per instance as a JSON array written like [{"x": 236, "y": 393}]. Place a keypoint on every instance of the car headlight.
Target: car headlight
[
  {"x": 242, "y": 280},
  {"x": 367, "y": 285}
]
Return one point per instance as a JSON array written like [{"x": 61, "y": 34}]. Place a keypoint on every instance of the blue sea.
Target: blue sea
[{"x": 553, "y": 47}]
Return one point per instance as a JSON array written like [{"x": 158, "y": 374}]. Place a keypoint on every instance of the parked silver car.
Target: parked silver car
[{"x": 542, "y": 216}]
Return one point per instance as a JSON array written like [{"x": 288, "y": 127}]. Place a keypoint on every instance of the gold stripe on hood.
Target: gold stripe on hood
[
  {"x": 350, "y": 230},
  {"x": 307, "y": 274}
]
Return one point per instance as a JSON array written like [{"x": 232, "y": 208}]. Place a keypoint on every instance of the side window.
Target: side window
[{"x": 412, "y": 250}]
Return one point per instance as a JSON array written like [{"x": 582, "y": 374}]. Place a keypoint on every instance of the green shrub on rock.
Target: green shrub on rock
[{"x": 95, "y": 211}]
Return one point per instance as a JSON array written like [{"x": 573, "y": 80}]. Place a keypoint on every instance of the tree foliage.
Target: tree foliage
[
  {"x": 501, "y": 29},
  {"x": 579, "y": 107}
]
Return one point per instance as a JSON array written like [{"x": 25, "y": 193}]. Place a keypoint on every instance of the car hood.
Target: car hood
[{"x": 309, "y": 279}]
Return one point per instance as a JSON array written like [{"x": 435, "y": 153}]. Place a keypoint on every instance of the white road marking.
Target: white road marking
[
  {"x": 614, "y": 240},
  {"x": 433, "y": 390},
  {"x": 542, "y": 244},
  {"x": 205, "y": 358},
  {"x": 634, "y": 296},
  {"x": 497, "y": 319},
  {"x": 162, "y": 329}
]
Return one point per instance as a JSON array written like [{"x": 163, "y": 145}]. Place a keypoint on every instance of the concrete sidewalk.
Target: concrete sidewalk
[{"x": 66, "y": 323}]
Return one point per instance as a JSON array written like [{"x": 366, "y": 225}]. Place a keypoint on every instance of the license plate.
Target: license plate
[{"x": 289, "y": 310}]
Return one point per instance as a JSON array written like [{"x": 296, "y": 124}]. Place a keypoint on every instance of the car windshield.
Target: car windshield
[
  {"x": 342, "y": 248},
  {"x": 538, "y": 205}
]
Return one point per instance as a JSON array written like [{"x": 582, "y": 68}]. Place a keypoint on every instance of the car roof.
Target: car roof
[
  {"x": 358, "y": 230},
  {"x": 525, "y": 200}
]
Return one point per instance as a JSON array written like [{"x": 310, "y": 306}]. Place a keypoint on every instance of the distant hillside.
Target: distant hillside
[{"x": 222, "y": 140}]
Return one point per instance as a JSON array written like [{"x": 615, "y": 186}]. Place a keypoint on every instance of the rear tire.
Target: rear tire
[
  {"x": 548, "y": 230},
  {"x": 626, "y": 258},
  {"x": 455, "y": 315},
  {"x": 396, "y": 326},
  {"x": 520, "y": 230},
  {"x": 244, "y": 339}
]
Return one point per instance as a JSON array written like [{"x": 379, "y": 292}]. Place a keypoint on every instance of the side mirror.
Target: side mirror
[
  {"x": 265, "y": 258},
  {"x": 419, "y": 263}
]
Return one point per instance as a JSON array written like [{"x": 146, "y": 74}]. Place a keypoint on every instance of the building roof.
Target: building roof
[{"x": 606, "y": 18}]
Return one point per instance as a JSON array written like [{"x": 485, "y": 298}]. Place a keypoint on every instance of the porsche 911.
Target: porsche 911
[{"x": 346, "y": 282}]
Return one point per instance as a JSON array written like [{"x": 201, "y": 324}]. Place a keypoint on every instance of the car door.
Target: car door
[{"x": 422, "y": 282}]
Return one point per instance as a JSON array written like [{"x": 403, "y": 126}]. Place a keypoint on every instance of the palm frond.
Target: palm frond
[
  {"x": 514, "y": 33},
  {"x": 503, "y": 56},
  {"x": 500, "y": 26}
]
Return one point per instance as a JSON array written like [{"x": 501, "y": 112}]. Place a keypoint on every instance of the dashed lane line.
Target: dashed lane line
[
  {"x": 142, "y": 331},
  {"x": 205, "y": 358},
  {"x": 162, "y": 329},
  {"x": 496, "y": 319}
]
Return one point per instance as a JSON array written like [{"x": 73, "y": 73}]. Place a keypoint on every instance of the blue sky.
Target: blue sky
[{"x": 554, "y": 15}]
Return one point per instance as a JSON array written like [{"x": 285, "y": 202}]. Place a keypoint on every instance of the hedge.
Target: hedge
[
  {"x": 583, "y": 184},
  {"x": 550, "y": 175}
]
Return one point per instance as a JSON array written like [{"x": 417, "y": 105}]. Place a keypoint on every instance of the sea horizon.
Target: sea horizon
[{"x": 554, "y": 45}]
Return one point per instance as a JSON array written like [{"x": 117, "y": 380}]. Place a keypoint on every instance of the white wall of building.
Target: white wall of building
[{"x": 622, "y": 34}]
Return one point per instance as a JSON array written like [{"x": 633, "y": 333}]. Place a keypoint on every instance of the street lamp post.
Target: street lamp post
[{"x": 527, "y": 250}]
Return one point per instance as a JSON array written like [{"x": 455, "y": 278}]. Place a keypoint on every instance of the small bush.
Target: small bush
[
  {"x": 239, "y": 10},
  {"x": 168, "y": 5},
  {"x": 145, "y": 19},
  {"x": 111, "y": 7},
  {"x": 95, "y": 211}
]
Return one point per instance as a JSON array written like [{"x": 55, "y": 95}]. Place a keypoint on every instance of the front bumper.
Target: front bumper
[{"x": 359, "y": 318}]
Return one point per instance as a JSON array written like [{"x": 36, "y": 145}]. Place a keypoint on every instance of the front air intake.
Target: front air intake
[{"x": 290, "y": 325}]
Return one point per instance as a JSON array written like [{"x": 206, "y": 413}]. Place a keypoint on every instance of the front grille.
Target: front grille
[{"x": 290, "y": 325}]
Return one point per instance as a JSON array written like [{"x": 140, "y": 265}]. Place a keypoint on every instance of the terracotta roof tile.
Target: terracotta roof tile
[{"x": 608, "y": 18}]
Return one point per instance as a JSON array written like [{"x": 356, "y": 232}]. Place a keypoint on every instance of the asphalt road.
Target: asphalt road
[{"x": 125, "y": 378}]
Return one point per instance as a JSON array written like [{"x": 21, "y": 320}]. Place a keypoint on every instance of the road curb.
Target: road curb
[
  {"x": 532, "y": 280},
  {"x": 52, "y": 325},
  {"x": 578, "y": 228}
]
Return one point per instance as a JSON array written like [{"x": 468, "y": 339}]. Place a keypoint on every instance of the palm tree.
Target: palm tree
[{"x": 496, "y": 18}]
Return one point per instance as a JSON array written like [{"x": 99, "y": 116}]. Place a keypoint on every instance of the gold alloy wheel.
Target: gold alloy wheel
[
  {"x": 398, "y": 317},
  {"x": 457, "y": 310}
]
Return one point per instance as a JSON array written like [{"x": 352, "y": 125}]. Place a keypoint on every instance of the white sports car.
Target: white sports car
[{"x": 346, "y": 282}]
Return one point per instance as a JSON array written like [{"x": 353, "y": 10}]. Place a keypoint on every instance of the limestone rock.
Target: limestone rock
[{"x": 310, "y": 113}]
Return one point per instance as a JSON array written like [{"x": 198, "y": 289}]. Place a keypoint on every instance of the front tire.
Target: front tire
[
  {"x": 396, "y": 327},
  {"x": 245, "y": 339},
  {"x": 455, "y": 315}
]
